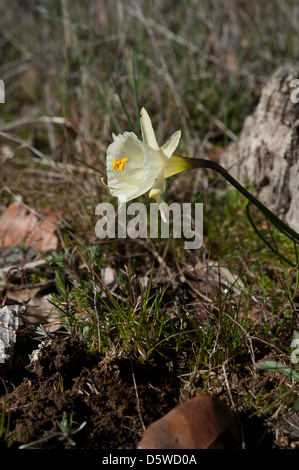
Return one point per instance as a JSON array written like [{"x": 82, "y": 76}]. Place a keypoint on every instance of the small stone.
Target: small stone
[
  {"x": 36, "y": 354},
  {"x": 203, "y": 422}
]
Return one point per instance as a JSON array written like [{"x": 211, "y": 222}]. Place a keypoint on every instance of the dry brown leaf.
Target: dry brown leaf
[
  {"x": 18, "y": 223},
  {"x": 39, "y": 309},
  {"x": 203, "y": 422}
]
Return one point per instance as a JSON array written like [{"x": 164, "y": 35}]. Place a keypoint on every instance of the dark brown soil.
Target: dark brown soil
[
  {"x": 112, "y": 398},
  {"x": 113, "y": 395}
]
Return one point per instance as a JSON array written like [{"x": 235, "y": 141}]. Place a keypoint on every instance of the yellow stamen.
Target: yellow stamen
[{"x": 119, "y": 165}]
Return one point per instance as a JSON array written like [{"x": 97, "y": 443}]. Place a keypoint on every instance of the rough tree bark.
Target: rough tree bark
[{"x": 267, "y": 153}]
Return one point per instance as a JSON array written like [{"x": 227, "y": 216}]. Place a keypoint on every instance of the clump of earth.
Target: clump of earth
[
  {"x": 109, "y": 400},
  {"x": 114, "y": 396}
]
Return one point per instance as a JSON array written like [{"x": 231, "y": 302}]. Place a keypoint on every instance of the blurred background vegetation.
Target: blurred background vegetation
[{"x": 194, "y": 65}]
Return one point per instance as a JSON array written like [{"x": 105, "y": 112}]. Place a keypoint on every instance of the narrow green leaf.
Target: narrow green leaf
[
  {"x": 296, "y": 405},
  {"x": 274, "y": 366}
]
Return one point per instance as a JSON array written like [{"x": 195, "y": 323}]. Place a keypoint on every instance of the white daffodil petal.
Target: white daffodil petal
[
  {"x": 159, "y": 185},
  {"x": 170, "y": 146},
  {"x": 132, "y": 167},
  {"x": 120, "y": 144},
  {"x": 154, "y": 163},
  {"x": 161, "y": 209},
  {"x": 148, "y": 134},
  {"x": 121, "y": 181}
]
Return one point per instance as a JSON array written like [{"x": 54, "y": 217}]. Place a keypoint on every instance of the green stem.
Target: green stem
[
  {"x": 264, "y": 240},
  {"x": 283, "y": 227}
]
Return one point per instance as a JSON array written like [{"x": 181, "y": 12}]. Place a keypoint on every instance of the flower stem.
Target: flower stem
[{"x": 283, "y": 227}]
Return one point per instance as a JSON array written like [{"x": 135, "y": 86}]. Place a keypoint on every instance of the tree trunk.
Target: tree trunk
[{"x": 267, "y": 153}]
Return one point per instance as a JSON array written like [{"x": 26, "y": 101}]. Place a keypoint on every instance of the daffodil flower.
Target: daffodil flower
[{"x": 135, "y": 167}]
